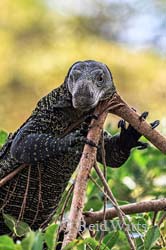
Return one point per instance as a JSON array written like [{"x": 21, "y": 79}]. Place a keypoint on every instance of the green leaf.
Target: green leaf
[
  {"x": 6, "y": 243},
  {"x": 9, "y": 221},
  {"x": 33, "y": 241},
  {"x": 151, "y": 236},
  {"x": 50, "y": 235},
  {"x": 27, "y": 243},
  {"x": 110, "y": 239},
  {"x": 139, "y": 243},
  {"x": 92, "y": 242},
  {"x": 94, "y": 202},
  {"x": 38, "y": 241},
  {"x": 71, "y": 245},
  {"x": 19, "y": 228},
  {"x": 18, "y": 246},
  {"x": 3, "y": 137}
]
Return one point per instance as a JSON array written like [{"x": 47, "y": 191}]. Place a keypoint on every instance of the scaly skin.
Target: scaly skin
[{"x": 40, "y": 144}]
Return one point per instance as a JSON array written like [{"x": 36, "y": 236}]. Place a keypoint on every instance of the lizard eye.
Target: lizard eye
[{"x": 100, "y": 80}]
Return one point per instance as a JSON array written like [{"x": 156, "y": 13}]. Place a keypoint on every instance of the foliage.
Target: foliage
[
  {"x": 3, "y": 137},
  {"x": 112, "y": 240},
  {"x": 152, "y": 235},
  {"x": 18, "y": 228},
  {"x": 140, "y": 178},
  {"x": 39, "y": 45}
]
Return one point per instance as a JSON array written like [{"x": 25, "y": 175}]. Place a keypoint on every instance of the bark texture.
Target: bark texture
[
  {"x": 86, "y": 163},
  {"x": 129, "y": 115},
  {"x": 118, "y": 107},
  {"x": 140, "y": 207}
]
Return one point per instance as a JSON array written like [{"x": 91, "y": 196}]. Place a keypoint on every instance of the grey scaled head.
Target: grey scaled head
[{"x": 89, "y": 82}]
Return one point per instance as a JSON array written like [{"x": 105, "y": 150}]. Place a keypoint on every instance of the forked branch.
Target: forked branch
[
  {"x": 116, "y": 106},
  {"x": 129, "y": 115}
]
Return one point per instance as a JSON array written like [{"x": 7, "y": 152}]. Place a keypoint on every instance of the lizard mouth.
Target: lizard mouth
[
  {"x": 86, "y": 103},
  {"x": 84, "y": 107}
]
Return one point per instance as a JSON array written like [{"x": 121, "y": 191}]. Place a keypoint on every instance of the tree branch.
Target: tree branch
[
  {"x": 116, "y": 106},
  {"x": 86, "y": 163},
  {"x": 129, "y": 115},
  {"x": 140, "y": 207},
  {"x": 116, "y": 206}
]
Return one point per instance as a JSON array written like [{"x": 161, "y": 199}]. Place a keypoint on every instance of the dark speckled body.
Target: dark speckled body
[
  {"x": 54, "y": 172},
  {"x": 40, "y": 144}
]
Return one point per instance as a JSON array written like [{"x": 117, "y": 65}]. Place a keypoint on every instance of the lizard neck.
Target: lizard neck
[
  {"x": 57, "y": 110},
  {"x": 62, "y": 100}
]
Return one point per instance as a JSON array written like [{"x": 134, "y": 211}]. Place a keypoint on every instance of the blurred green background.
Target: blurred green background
[{"x": 40, "y": 39}]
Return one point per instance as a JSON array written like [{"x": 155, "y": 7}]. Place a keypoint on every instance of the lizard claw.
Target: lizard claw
[
  {"x": 122, "y": 124},
  {"x": 143, "y": 116},
  {"x": 141, "y": 145},
  {"x": 154, "y": 124}
]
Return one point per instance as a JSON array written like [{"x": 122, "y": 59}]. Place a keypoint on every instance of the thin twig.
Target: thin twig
[
  {"x": 162, "y": 239},
  {"x": 69, "y": 192},
  {"x": 154, "y": 218},
  {"x": 162, "y": 219},
  {"x": 39, "y": 202},
  {"x": 104, "y": 213},
  {"x": 87, "y": 214},
  {"x": 25, "y": 196},
  {"x": 116, "y": 206},
  {"x": 100, "y": 188},
  {"x": 9, "y": 194},
  {"x": 103, "y": 155},
  {"x": 10, "y": 176}
]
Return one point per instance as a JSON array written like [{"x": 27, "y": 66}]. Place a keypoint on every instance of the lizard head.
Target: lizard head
[{"x": 89, "y": 82}]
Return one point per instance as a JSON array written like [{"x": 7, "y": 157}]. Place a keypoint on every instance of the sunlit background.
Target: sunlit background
[{"x": 40, "y": 39}]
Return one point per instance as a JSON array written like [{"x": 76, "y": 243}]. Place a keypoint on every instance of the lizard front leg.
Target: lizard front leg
[
  {"x": 118, "y": 147},
  {"x": 34, "y": 148}
]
